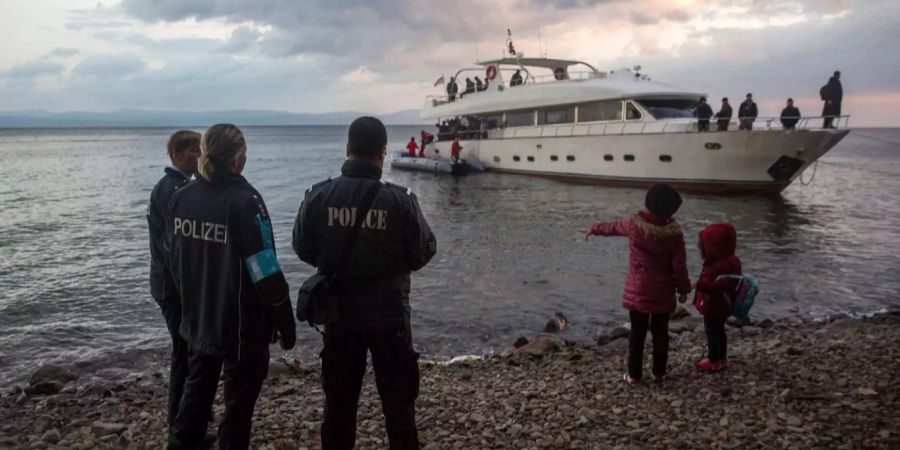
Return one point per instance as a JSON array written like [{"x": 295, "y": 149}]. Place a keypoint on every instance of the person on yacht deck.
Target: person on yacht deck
[
  {"x": 452, "y": 89},
  {"x": 790, "y": 115},
  {"x": 723, "y": 116},
  {"x": 470, "y": 86},
  {"x": 747, "y": 113},
  {"x": 516, "y": 79},
  {"x": 479, "y": 85},
  {"x": 703, "y": 113},
  {"x": 411, "y": 147}
]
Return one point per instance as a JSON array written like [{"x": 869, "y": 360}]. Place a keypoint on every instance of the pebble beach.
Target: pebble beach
[{"x": 790, "y": 384}]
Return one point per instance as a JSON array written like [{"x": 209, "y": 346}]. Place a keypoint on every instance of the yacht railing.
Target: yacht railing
[
  {"x": 437, "y": 100},
  {"x": 665, "y": 126},
  {"x": 574, "y": 75}
]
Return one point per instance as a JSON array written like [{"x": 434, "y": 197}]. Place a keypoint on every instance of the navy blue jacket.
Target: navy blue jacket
[
  {"x": 161, "y": 287},
  {"x": 221, "y": 252},
  {"x": 394, "y": 240}
]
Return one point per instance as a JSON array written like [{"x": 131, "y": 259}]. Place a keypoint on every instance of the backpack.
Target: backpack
[{"x": 744, "y": 294}]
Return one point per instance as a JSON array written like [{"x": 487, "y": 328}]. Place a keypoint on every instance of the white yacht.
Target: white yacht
[{"x": 617, "y": 128}]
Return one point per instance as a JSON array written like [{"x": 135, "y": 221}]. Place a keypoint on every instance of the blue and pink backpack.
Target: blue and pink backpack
[{"x": 744, "y": 294}]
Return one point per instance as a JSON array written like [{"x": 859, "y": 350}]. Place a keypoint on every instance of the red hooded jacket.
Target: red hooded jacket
[
  {"x": 717, "y": 245},
  {"x": 656, "y": 261}
]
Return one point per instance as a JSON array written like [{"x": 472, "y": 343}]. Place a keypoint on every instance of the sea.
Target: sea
[{"x": 74, "y": 252}]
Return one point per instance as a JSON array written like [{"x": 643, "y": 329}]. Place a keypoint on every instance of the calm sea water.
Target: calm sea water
[{"x": 74, "y": 252}]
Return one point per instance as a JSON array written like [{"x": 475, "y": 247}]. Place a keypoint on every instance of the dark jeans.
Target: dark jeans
[
  {"x": 746, "y": 124},
  {"x": 702, "y": 125},
  {"x": 243, "y": 382},
  {"x": 723, "y": 124},
  {"x": 178, "y": 368},
  {"x": 659, "y": 327},
  {"x": 396, "y": 375},
  {"x": 716, "y": 340},
  {"x": 828, "y": 122}
]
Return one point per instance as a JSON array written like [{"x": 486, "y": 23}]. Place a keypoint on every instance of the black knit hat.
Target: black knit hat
[{"x": 662, "y": 200}]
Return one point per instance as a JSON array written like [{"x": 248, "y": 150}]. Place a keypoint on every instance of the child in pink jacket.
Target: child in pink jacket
[{"x": 656, "y": 271}]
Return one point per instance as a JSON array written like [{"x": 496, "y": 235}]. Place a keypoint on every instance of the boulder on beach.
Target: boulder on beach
[
  {"x": 557, "y": 323},
  {"x": 542, "y": 343},
  {"x": 604, "y": 337},
  {"x": 53, "y": 373}
]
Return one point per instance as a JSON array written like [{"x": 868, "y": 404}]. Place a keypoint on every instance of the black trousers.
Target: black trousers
[
  {"x": 703, "y": 125},
  {"x": 396, "y": 369},
  {"x": 659, "y": 328},
  {"x": 746, "y": 124},
  {"x": 716, "y": 339},
  {"x": 178, "y": 367},
  {"x": 828, "y": 122},
  {"x": 243, "y": 382},
  {"x": 723, "y": 124}
]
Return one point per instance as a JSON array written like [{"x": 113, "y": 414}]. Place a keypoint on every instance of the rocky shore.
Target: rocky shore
[{"x": 790, "y": 384}]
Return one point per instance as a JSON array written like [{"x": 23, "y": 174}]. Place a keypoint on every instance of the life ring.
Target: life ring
[
  {"x": 559, "y": 73},
  {"x": 491, "y": 73}
]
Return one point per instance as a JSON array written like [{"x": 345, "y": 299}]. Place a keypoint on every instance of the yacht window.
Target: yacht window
[
  {"x": 669, "y": 109},
  {"x": 492, "y": 121},
  {"x": 570, "y": 157},
  {"x": 607, "y": 157},
  {"x": 665, "y": 158},
  {"x": 629, "y": 157},
  {"x": 631, "y": 112},
  {"x": 592, "y": 112},
  {"x": 554, "y": 158},
  {"x": 516, "y": 158},
  {"x": 531, "y": 159},
  {"x": 520, "y": 119},
  {"x": 556, "y": 115}
]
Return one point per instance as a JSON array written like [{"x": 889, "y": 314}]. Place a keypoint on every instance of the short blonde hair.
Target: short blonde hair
[{"x": 220, "y": 144}]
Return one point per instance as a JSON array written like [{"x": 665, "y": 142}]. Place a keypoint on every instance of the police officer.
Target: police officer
[
  {"x": 223, "y": 263},
  {"x": 183, "y": 149},
  {"x": 373, "y": 288}
]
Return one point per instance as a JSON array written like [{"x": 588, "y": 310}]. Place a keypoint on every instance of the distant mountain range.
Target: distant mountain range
[{"x": 142, "y": 118}]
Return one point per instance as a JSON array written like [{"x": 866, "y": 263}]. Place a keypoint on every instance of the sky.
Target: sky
[{"x": 381, "y": 56}]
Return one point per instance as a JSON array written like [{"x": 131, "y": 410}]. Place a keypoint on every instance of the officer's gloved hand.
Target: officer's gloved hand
[{"x": 286, "y": 327}]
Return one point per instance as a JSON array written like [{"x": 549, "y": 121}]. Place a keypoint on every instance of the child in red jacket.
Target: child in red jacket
[
  {"x": 717, "y": 244},
  {"x": 656, "y": 271}
]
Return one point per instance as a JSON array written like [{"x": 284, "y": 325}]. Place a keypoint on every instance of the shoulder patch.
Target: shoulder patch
[{"x": 398, "y": 187}]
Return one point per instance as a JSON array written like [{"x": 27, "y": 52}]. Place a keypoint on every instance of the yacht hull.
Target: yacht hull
[{"x": 731, "y": 162}]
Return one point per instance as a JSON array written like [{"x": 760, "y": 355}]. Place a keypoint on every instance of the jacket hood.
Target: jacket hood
[
  {"x": 655, "y": 226},
  {"x": 361, "y": 168},
  {"x": 718, "y": 241}
]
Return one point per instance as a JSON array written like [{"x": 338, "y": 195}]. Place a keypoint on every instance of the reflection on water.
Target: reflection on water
[{"x": 74, "y": 257}]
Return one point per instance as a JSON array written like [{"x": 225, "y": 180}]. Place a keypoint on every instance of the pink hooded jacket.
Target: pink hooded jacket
[{"x": 657, "y": 268}]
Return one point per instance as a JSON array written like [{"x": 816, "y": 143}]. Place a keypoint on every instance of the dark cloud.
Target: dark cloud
[
  {"x": 677, "y": 15},
  {"x": 242, "y": 38},
  {"x": 642, "y": 18},
  {"x": 109, "y": 66},
  {"x": 35, "y": 68},
  {"x": 62, "y": 52}
]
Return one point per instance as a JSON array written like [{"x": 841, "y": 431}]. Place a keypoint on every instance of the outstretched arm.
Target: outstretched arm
[{"x": 617, "y": 228}]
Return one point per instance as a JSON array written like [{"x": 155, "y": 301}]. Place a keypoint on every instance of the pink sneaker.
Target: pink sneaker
[
  {"x": 631, "y": 381},
  {"x": 705, "y": 365}
]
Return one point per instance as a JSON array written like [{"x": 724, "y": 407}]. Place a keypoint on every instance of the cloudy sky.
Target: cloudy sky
[{"x": 381, "y": 56}]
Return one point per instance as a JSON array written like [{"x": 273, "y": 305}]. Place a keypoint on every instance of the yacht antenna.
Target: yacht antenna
[{"x": 540, "y": 44}]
